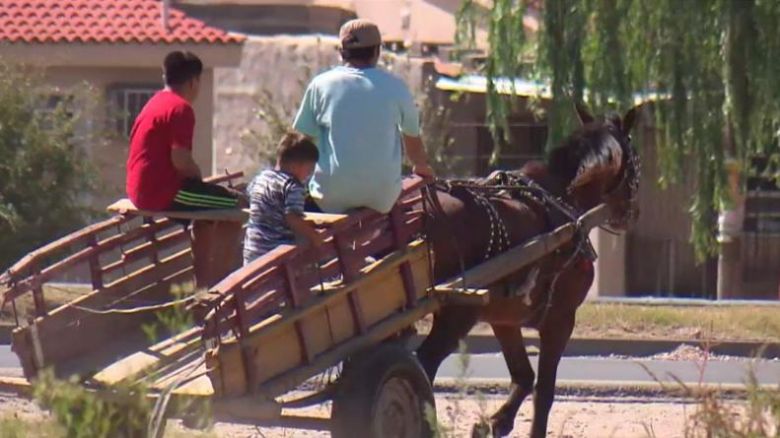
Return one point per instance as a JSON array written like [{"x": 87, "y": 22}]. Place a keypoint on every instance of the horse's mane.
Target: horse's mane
[{"x": 589, "y": 151}]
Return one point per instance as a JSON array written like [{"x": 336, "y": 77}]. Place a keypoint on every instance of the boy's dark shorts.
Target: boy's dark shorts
[
  {"x": 311, "y": 206},
  {"x": 196, "y": 195}
]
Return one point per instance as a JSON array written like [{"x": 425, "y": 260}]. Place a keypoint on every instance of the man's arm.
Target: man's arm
[
  {"x": 410, "y": 128},
  {"x": 184, "y": 163},
  {"x": 416, "y": 153},
  {"x": 182, "y": 130},
  {"x": 306, "y": 119},
  {"x": 302, "y": 228}
]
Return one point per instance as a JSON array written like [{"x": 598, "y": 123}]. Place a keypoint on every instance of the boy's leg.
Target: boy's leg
[
  {"x": 198, "y": 195},
  {"x": 216, "y": 246},
  {"x": 311, "y": 206}
]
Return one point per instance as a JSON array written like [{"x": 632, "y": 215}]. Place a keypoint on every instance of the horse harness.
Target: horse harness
[
  {"x": 524, "y": 189},
  {"x": 520, "y": 187}
]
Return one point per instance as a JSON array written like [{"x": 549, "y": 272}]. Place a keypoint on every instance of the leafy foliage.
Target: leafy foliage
[
  {"x": 82, "y": 413},
  {"x": 42, "y": 170},
  {"x": 712, "y": 62}
]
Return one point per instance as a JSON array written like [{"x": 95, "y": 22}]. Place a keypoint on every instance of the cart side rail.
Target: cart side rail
[
  {"x": 289, "y": 278},
  {"x": 127, "y": 262}
]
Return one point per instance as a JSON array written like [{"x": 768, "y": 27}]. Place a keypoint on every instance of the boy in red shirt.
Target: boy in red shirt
[{"x": 162, "y": 174}]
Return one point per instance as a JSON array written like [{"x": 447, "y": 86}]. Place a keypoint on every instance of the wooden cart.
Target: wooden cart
[{"x": 266, "y": 328}]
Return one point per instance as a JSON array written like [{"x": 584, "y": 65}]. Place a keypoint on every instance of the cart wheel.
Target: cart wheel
[{"x": 383, "y": 393}]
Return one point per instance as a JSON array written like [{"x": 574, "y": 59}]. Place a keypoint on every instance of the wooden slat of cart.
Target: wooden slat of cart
[
  {"x": 283, "y": 383},
  {"x": 22, "y": 267},
  {"x": 275, "y": 341},
  {"x": 86, "y": 254},
  {"x": 69, "y": 331}
]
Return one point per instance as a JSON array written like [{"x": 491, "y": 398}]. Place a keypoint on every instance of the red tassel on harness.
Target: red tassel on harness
[{"x": 584, "y": 264}]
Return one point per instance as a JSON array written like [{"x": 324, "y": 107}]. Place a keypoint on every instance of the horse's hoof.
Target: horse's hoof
[
  {"x": 502, "y": 425},
  {"x": 480, "y": 430}
]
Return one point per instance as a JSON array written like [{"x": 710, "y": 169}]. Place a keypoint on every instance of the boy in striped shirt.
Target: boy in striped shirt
[{"x": 277, "y": 197}]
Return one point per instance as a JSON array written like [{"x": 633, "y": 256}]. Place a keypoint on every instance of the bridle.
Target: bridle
[{"x": 631, "y": 173}]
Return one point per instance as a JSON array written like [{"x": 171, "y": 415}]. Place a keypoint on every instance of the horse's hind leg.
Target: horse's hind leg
[
  {"x": 450, "y": 325},
  {"x": 516, "y": 357},
  {"x": 553, "y": 336}
]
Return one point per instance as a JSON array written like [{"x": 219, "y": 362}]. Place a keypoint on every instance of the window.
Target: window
[
  {"x": 128, "y": 101},
  {"x": 762, "y": 204},
  {"x": 51, "y": 105}
]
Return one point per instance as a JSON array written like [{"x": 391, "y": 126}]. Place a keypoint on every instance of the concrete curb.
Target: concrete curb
[
  {"x": 596, "y": 387},
  {"x": 481, "y": 344}
]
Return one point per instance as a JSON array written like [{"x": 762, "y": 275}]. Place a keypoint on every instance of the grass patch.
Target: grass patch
[
  {"x": 14, "y": 427},
  {"x": 717, "y": 323},
  {"x": 635, "y": 321},
  {"x": 54, "y": 296}
]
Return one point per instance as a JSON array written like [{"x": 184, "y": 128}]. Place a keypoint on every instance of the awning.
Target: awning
[
  {"x": 522, "y": 87},
  {"x": 478, "y": 84}
]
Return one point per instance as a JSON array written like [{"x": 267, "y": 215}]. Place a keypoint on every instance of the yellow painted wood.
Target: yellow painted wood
[{"x": 326, "y": 321}]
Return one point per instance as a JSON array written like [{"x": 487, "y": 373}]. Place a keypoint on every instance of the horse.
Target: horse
[{"x": 473, "y": 221}]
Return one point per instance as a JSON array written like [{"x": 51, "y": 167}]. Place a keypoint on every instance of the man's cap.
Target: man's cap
[{"x": 359, "y": 33}]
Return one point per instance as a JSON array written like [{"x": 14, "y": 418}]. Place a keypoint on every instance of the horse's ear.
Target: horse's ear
[
  {"x": 630, "y": 119},
  {"x": 582, "y": 113}
]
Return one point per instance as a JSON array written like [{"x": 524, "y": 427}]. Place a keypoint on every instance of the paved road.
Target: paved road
[{"x": 492, "y": 366}]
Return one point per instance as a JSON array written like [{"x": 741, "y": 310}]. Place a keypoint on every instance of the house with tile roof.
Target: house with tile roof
[
  {"x": 116, "y": 47},
  {"x": 424, "y": 26}
]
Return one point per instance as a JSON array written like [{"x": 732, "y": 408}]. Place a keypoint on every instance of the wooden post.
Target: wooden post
[
  {"x": 37, "y": 292},
  {"x": 399, "y": 240},
  {"x": 730, "y": 238},
  {"x": 349, "y": 270},
  {"x": 154, "y": 257},
  {"x": 96, "y": 273},
  {"x": 297, "y": 299}
]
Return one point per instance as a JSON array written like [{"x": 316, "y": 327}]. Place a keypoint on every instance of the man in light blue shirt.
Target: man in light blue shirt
[{"x": 359, "y": 115}]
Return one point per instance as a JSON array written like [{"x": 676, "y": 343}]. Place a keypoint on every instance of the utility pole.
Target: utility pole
[{"x": 730, "y": 224}]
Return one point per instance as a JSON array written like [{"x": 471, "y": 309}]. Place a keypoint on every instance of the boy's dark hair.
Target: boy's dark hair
[
  {"x": 179, "y": 67},
  {"x": 363, "y": 54},
  {"x": 297, "y": 148}
]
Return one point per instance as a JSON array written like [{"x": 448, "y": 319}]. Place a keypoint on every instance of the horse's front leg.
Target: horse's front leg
[
  {"x": 516, "y": 357},
  {"x": 554, "y": 334},
  {"x": 450, "y": 325}
]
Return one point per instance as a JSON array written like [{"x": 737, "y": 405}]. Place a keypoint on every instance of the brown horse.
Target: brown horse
[{"x": 474, "y": 221}]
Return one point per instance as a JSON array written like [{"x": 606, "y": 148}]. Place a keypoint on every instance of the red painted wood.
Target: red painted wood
[
  {"x": 141, "y": 251},
  {"x": 96, "y": 273},
  {"x": 397, "y": 221}
]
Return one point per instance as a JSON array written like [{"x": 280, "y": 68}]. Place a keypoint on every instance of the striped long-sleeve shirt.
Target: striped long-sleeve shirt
[{"x": 272, "y": 195}]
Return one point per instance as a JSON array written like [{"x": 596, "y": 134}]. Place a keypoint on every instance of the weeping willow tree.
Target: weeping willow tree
[{"x": 712, "y": 64}]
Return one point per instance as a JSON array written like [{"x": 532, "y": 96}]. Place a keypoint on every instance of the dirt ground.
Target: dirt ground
[{"x": 572, "y": 417}]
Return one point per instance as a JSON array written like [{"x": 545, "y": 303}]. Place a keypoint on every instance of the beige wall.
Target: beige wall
[{"x": 610, "y": 267}]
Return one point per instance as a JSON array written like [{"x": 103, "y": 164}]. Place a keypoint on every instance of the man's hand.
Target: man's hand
[
  {"x": 303, "y": 228},
  {"x": 416, "y": 153},
  {"x": 425, "y": 171}
]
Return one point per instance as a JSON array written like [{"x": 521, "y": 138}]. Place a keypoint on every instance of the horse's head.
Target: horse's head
[{"x": 601, "y": 166}]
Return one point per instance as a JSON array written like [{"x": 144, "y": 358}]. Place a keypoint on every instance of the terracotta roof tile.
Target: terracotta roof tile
[{"x": 102, "y": 21}]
